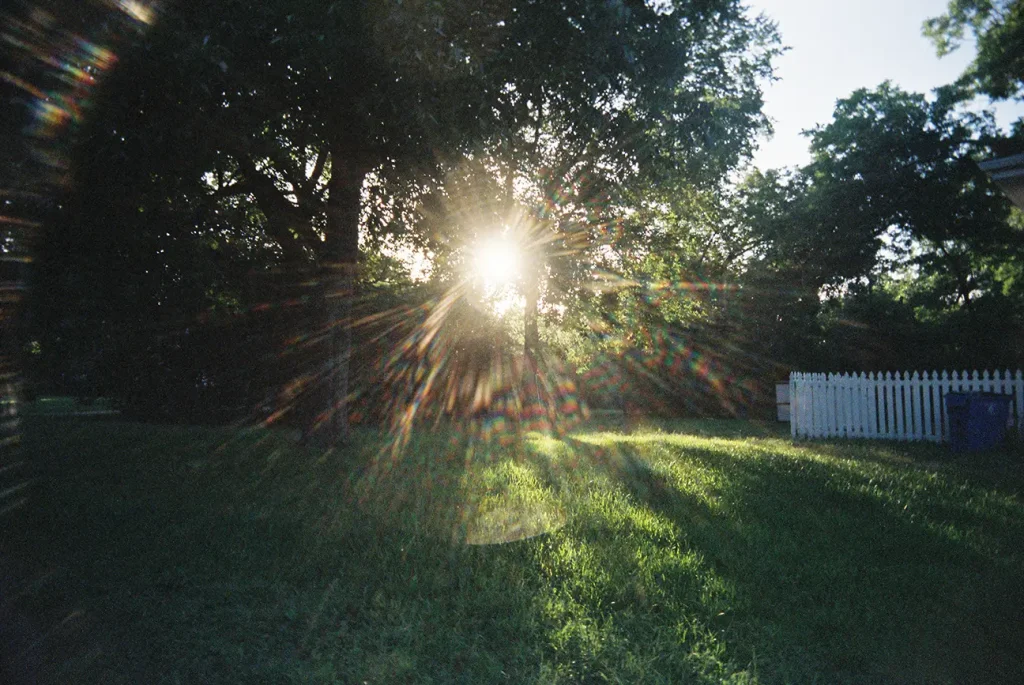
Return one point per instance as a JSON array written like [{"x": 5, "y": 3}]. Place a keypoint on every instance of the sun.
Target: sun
[{"x": 497, "y": 262}]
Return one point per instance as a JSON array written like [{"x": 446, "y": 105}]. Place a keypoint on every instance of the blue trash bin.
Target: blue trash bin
[
  {"x": 986, "y": 421},
  {"x": 956, "y": 415},
  {"x": 977, "y": 420}
]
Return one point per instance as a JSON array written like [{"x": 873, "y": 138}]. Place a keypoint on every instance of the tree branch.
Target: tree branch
[{"x": 316, "y": 174}]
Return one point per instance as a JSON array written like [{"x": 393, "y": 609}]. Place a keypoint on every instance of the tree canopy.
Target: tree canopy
[
  {"x": 891, "y": 233},
  {"x": 307, "y": 136},
  {"x": 997, "y": 27}
]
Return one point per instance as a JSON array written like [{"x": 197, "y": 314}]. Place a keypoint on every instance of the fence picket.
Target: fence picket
[
  {"x": 909, "y": 427},
  {"x": 903, "y": 410},
  {"x": 897, "y": 390},
  {"x": 952, "y": 385},
  {"x": 793, "y": 407},
  {"x": 843, "y": 397},
  {"x": 913, "y": 409},
  {"x": 824, "y": 415},
  {"x": 830, "y": 405},
  {"x": 803, "y": 400},
  {"x": 809, "y": 385},
  {"x": 928, "y": 399},
  {"x": 837, "y": 394},
  {"x": 858, "y": 405},
  {"x": 909, "y": 390},
  {"x": 806, "y": 401},
  {"x": 809, "y": 380},
  {"x": 884, "y": 410},
  {"x": 840, "y": 415},
  {"x": 924, "y": 407},
  {"x": 837, "y": 398},
  {"x": 872, "y": 389},
  {"x": 824, "y": 412},
  {"x": 880, "y": 404},
  {"x": 944, "y": 387},
  {"x": 819, "y": 407},
  {"x": 856, "y": 421}
]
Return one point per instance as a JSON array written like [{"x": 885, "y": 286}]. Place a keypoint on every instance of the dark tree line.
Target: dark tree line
[{"x": 242, "y": 157}]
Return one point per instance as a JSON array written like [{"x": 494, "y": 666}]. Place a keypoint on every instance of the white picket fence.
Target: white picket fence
[{"x": 890, "y": 406}]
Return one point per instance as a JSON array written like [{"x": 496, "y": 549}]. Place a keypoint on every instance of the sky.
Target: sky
[{"x": 838, "y": 47}]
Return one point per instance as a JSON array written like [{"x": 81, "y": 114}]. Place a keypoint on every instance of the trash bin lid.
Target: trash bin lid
[{"x": 957, "y": 399}]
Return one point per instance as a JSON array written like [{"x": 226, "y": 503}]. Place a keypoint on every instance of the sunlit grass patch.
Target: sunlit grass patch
[{"x": 655, "y": 555}]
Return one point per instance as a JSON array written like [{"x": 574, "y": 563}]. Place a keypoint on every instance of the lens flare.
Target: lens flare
[{"x": 497, "y": 262}]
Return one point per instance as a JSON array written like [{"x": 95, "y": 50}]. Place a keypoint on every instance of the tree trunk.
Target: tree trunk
[
  {"x": 531, "y": 342},
  {"x": 338, "y": 272},
  {"x": 531, "y": 332}
]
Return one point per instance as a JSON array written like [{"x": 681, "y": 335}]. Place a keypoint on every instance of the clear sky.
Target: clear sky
[{"x": 839, "y": 46}]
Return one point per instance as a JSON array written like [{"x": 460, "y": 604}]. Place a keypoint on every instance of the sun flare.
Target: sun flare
[{"x": 497, "y": 262}]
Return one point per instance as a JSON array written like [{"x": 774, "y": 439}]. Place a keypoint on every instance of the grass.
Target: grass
[
  {"x": 700, "y": 552},
  {"x": 63, "y": 405}
]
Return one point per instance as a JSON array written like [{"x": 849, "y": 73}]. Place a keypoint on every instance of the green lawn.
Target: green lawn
[
  {"x": 61, "y": 405},
  {"x": 687, "y": 552}
]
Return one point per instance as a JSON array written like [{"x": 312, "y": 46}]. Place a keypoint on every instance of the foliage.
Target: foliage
[
  {"x": 997, "y": 27},
  {"x": 902, "y": 170},
  {"x": 235, "y": 141},
  {"x": 891, "y": 249},
  {"x": 893, "y": 160}
]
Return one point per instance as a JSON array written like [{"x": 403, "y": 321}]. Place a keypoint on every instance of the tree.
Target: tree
[
  {"x": 997, "y": 27},
  {"x": 907, "y": 228},
  {"x": 890, "y": 249},
  {"x": 903, "y": 170},
  {"x": 307, "y": 121}
]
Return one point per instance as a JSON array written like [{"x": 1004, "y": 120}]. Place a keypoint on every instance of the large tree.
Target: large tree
[
  {"x": 903, "y": 169},
  {"x": 896, "y": 228},
  {"x": 289, "y": 125}
]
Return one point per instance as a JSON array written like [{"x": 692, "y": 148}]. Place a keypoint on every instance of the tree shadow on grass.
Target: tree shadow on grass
[
  {"x": 994, "y": 478},
  {"x": 625, "y": 468},
  {"x": 836, "y": 577},
  {"x": 999, "y": 469},
  {"x": 242, "y": 558}
]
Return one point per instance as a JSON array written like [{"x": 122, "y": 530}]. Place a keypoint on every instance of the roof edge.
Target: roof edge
[{"x": 1003, "y": 163}]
